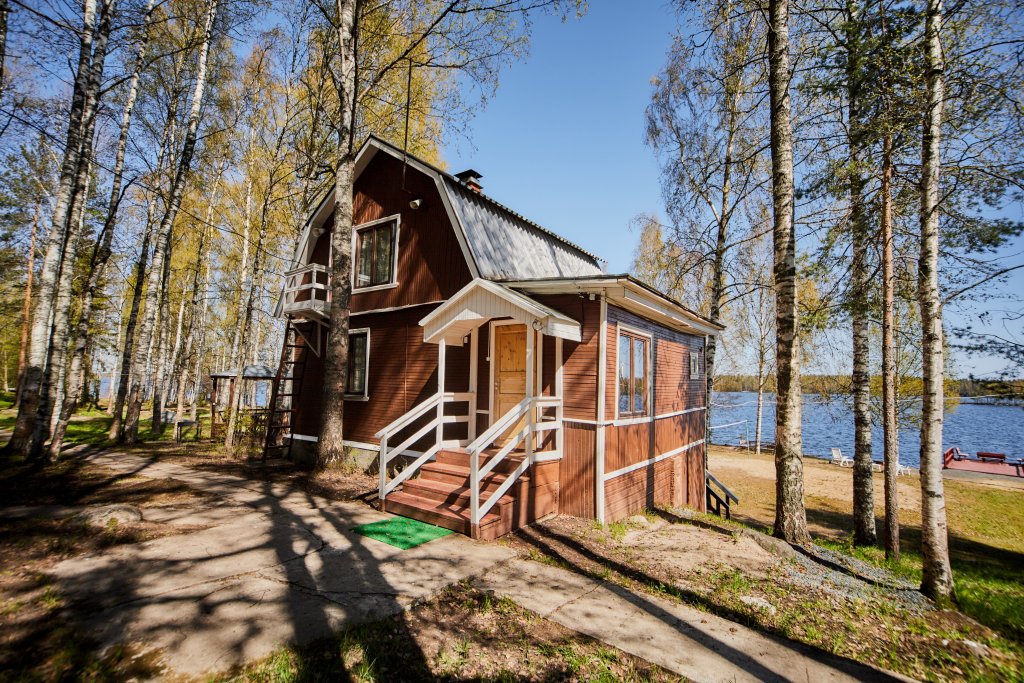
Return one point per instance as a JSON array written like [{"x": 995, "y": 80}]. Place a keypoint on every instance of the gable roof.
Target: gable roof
[
  {"x": 507, "y": 246},
  {"x": 498, "y": 243}
]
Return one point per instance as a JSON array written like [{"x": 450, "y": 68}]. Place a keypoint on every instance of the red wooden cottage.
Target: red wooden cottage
[{"x": 499, "y": 373}]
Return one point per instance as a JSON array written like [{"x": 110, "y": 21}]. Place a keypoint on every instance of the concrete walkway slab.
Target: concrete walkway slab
[
  {"x": 692, "y": 643},
  {"x": 272, "y": 566}
]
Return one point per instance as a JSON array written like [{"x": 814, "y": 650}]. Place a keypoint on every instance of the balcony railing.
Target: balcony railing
[{"x": 307, "y": 291}]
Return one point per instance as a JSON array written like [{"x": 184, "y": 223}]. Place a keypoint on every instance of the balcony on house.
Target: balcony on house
[{"x": 307, "y": 292}]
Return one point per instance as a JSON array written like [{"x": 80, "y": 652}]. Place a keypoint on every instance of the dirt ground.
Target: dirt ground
[
  {"x": 757, "y": 581},
  {"x": 462, "y": 634}
]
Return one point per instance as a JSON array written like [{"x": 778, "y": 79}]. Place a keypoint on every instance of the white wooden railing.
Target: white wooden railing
[
  {"x": 534, "y": 425},
  {"x": 315, "y": 280},
  {"x": 435, "y": 404}
]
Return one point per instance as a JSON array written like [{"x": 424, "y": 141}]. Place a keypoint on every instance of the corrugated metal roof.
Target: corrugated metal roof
[{"x": 507, "y": 246}]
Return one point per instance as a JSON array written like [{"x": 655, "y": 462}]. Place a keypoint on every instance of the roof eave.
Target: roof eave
[{"x": 657, "y": 303}]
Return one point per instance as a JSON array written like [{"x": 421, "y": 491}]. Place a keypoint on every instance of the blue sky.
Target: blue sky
[{"x": 562, "y": 141}]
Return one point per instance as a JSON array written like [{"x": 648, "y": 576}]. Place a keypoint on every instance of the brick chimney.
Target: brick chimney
[{"x": 470, "y": 179}]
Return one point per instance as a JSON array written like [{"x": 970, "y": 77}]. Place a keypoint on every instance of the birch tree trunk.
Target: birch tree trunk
[
  {"x": 111, "y": 389},
  {"x": 26, "y": 308},
  {"x": 131, "y": 427},
  {"x": 28, "y": 407},
  {"x": 890, "y": 427},
  {"x": 937, "y": 577},
  {"x": 130, "y": 342},
  {"x": 330, "y": 447},
  {"x": 200, "y": 328},
  {"x": 863, "y": 481},
  {"x": 790, "y": 516},
  {"x": 163, "y": 332}
]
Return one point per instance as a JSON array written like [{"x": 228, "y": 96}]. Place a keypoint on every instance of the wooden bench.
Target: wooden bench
[{"x": 986, "y": 456}]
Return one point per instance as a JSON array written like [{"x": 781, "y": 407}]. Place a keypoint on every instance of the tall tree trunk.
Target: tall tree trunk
[
  {"x": 790, "y": 516},
  {"x": 131, "y": 430},
  {"x": 863, "y": 481},
  {"x": 26, "y": 307},
  {"x": 163, "y": 332},
  {"x": 112, "y": 382},
  {"x": 331, "y": 447},
  {"x": 4, "y": 12},
  {"x": 937, "y": 577},
  {"x": 201, "y": 290},
  {"x": 890, "y": 427},
  {"x": 28, "y": 408},
  {"x": 101, "y": 255}
]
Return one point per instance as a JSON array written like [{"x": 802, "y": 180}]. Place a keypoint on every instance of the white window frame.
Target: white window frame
[
  {"x": 365, "y": 396},
  {"x": 397, "y": 219},
  {"x": 694, "y": 365},
  {"x": 649, "y": 360}
]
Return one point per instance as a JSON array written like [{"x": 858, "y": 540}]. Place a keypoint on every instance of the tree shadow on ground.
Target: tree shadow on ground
[{"x": 582, "y": 559}]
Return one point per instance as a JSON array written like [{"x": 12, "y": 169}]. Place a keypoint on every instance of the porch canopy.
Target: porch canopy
[{"x": 483, "y": 300}]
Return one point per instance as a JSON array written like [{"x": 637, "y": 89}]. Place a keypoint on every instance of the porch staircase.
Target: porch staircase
[{"x": 441, "y": 494}]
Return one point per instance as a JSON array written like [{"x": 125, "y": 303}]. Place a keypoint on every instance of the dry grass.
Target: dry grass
[
  {"x": 986, "y": 531},
  {"x": 713, "y": 566}
]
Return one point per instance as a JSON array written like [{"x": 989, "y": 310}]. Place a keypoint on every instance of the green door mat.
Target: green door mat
[{"x": 401, "y": 532}]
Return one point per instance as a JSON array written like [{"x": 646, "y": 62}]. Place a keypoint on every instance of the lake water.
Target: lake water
[{"x": 828, "y": 424}]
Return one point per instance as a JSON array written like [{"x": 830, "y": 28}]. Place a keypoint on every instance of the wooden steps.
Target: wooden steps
[{"x": 441, "y": 495}]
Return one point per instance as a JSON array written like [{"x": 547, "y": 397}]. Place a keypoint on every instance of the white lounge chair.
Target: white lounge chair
[{"x": 839, "y": 459}]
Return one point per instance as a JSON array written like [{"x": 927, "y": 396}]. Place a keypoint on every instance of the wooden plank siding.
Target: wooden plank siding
[
  {"x": 402, "y": 369},
  {"x": 676, "y": 480},
  {"x": 431, "y": 264}
]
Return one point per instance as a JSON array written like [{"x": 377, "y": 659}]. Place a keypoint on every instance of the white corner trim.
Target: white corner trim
[
  {"x": 360, "y": 444},
  {"x": 652, "y": 461},
  {"x": 303, "y": 437}
]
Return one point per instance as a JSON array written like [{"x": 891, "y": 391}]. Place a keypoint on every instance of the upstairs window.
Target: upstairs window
[
  {"x": 633, "y": 376},
  {"x": 358, "y": 363},
  {"x": 375, "y": 252}
]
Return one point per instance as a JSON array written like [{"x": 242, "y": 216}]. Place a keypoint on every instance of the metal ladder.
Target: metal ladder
[{"x": 290, "y": 371}]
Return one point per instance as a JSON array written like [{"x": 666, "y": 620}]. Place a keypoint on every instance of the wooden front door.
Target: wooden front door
[{"x": 509, "y": 374}]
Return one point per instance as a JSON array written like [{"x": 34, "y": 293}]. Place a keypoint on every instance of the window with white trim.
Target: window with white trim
[
  {"x": 375, "y": 254},
  {"x": 633, "y": 375},
  {"x": 358, "y": 363},
  {"x": 694, "y": 365}
]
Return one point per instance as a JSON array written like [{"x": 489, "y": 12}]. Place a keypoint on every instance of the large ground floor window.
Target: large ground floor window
[{"x": 633, "y": 375}]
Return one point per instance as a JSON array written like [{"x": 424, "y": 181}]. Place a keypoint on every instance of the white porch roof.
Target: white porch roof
[{"x": 482, "y": 300}]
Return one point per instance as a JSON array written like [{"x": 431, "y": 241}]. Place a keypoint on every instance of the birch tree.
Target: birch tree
[
  {"x": 704, "y": 124},
  {"x": 474, "y": 37},
  {"x": 790, "y": 515},
  {"x": 30, "y": 430},
  {"x": 163, "y": 232},
  {"x": 936, "y": 574}
]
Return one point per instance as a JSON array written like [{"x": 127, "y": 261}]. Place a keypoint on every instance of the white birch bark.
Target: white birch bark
[
  {"x": 790, "y": 516},
  {"x": 937, "y": 576},
  {"x": 28, "y": 408},
  {"x": 131, "y": 429},
  {"x": 330, "y": 446}
]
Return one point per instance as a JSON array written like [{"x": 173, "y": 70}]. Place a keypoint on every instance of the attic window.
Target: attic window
[{"x": 376, "y": 252}]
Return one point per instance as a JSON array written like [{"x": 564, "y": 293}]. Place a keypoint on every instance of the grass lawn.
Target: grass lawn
[
  {"x": 90, "y": 426},
  {"x": 986, "y": 530}
]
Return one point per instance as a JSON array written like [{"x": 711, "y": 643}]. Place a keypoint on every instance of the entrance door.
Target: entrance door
[{"x": 509, "y": 374}]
